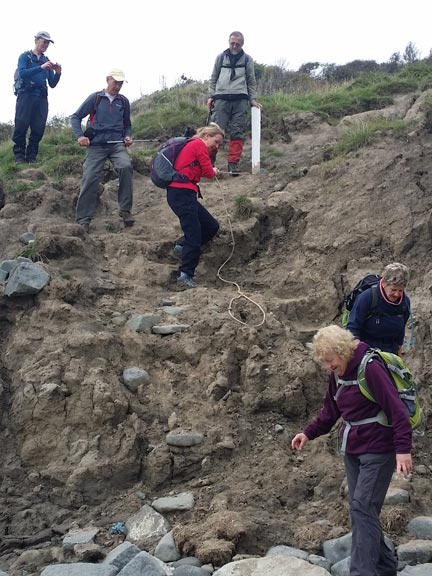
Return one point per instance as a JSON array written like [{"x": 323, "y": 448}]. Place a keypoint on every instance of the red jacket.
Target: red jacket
[{"x": 195, "y": 152}]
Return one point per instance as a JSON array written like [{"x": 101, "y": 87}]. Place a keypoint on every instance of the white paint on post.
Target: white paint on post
[{"x": 256, "y": 139}]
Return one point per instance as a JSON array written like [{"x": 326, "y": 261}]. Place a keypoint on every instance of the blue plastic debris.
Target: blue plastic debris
[{"x": 118, "y": 528}]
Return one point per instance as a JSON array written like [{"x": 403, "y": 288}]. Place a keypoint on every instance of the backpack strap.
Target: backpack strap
[
  {"x": 348, "y": 425},
  {"x": 341, "y": 384},
  {"x": 374, "y": 301},
  {"x": 93, "y": 112}
]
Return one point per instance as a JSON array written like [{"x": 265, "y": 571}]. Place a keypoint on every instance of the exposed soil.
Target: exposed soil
[{"x": 79, "y": 448}]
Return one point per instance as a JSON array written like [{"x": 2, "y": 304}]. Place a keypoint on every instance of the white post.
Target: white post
[{"x": 256, "y": 138}]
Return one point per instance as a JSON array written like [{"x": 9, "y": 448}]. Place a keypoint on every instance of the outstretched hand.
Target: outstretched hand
[{"x": 299, "y": 441}]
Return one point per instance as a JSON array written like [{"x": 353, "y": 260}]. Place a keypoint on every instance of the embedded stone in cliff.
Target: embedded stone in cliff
[{"x": 26, "y": 278}]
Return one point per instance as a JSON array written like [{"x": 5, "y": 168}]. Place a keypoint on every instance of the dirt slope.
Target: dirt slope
[{"x": 77, "y": 445}]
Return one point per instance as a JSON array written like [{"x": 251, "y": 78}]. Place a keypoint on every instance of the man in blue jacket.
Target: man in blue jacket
[
  {"x": 382, "y": 323},
  {"x": 107, "y": 135},
  {"x": 35, "y": 70}
]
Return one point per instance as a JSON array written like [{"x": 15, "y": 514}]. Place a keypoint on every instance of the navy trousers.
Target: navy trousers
[
  {"x": 369, "y": 477},
  {"x": 197, "y": 224},
  {"x": 31, "y": 111}
]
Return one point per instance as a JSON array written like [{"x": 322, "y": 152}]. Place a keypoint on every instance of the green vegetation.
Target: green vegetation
[
  {"x": 32, "y": 251},
  {"x": 363, "y": 133},
  {"x": 327, "y": 90},
  {"x": 243, "y": 207}
]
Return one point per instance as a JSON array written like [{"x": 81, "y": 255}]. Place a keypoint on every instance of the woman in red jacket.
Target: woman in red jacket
[{"x": 197, "y": 223}]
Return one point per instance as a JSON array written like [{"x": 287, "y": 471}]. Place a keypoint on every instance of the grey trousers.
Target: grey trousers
[
  {"x": 231, "y": 114},
  {"x": 369, "y": 476},
  {"x": 92, "y": 175}
]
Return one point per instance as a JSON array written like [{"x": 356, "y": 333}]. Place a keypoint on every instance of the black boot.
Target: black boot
[
  {"x": 19, "y": 153},
  {"x": 233, "y": 168}
]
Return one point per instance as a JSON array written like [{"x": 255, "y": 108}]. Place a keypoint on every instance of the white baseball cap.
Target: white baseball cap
[{"x": 117, "y": 74}]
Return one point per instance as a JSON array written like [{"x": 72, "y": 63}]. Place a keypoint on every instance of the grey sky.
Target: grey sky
[{"x": 156, "y": 42}]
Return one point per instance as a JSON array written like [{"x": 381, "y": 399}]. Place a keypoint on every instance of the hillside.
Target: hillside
[{"x": 81, "y": 448}]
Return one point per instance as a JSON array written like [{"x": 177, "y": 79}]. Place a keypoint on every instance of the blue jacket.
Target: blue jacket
[
  {"x": 385, "y": 328},
  {"x": 30, "y": 71},
  {"x": 107, "y": 120}
]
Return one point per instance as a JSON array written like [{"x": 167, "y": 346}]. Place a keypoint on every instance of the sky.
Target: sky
[{"x": 155, "y": 42}]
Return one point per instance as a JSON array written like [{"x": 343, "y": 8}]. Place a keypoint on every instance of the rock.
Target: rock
[
  {"x": 396, "y": 496},
  {"x": 143, "y": 323},
  {"x": 420, "y": 570},
  {"x": 122, "y": 555},
  {"x": 421, "y": 527},
  {"x": 415, "y": 551},
  {"x": 79, "y": 569},
  {"x": 80, "y": 536},
  {"x": 166, "y": 549},
  {"x": 143, "y": 564},
  {"x": 146, "y": 527},
  {"x": 287, "y": 551},
  {"x": 26, "y": 278},
  {"x": 338, "y": 548},
  {"x": 271, "y": 566},
  {"x": 183, "y": 501},
  {"x": 169, "y": 329},
  {"x": 185, "y": 439},
  {"x": 190, "y": 571},
  {"x": 133, "y": 377},
  {"x": 27, "y": 237}
]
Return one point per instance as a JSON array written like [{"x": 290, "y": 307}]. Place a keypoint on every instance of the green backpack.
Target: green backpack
[{"x": 403, "y": 381}]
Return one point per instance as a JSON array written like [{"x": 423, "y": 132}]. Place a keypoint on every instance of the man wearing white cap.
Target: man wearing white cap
[
  {"x": 107, "y": 135},
  {"x": 34, "y": 71}
]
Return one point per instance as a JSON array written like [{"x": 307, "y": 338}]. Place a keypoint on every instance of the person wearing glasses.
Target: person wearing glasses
[
  {"x": 34, "y": 74},
  {"x": 232, "y": 91}
]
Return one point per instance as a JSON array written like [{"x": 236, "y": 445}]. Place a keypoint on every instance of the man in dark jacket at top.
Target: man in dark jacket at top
[
  {"x": 232, "y": 90},
  {"x": 107, "y": 135},
  {"x": 382, "y": 325},
  {"x": 35, "y": 70}
]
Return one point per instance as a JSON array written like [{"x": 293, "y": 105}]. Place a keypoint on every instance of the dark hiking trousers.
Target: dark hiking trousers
[
  {"x": 369, "y": 476},
  {"x": 197, "y": 224},
  {"x": 31, "y": 112}
]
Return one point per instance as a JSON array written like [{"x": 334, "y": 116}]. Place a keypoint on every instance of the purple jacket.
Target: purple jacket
[{"x": 352, "y": 405}]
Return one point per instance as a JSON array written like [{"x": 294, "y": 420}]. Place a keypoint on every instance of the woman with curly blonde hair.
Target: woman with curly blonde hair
[{"x": 371, "y": 451}]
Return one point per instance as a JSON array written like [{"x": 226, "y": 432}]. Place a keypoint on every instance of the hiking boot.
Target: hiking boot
[
  {"x": 233, "y": 168},
  {"x": 177, "y": 252},
  {"x": 19, "y": 160},
  {"x": 127, "y": 218},
  {"x": 184, "y": 282},
  {"x": 31, "y": 161}
]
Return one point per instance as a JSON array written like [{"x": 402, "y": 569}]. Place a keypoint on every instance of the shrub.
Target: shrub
[{"x": 244, "y": 207}]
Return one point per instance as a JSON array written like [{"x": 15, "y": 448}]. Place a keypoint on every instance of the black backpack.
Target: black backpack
[
  {"x": 19, "y": 83},
  {"x": 162, "y": 171},
  {"x": 369, "y": 281}
]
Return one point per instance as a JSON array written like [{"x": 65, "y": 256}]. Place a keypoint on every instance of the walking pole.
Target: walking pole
[
  {"x": 256, "y": 139},
  {"x": 133, "y": 141}
]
